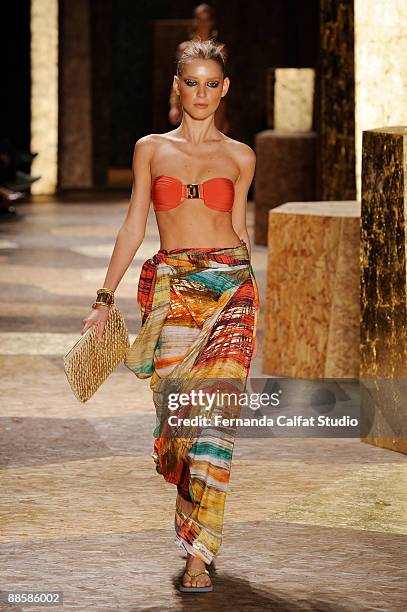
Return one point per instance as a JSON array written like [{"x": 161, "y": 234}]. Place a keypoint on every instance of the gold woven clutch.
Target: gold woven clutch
[{"x": 90, "y": 361}]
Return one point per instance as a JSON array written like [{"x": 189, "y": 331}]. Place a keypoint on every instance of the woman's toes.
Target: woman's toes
[
  {"x": 203, "y": 581},
  {"x": 186, "y": 580},
  {"x": 199, "y": 581}
]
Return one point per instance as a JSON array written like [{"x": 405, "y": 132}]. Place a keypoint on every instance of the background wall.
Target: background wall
[
  {"x": 258, "y": 35},
  {"x": 15, "y": 71},
  {"x": 118, "y": 74}
]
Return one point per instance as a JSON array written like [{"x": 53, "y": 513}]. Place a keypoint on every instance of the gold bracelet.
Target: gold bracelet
[
  {"x": 105, "y": 290},
  {"x": 105, "y": 296},
  {"x": 96, "y": 304}
]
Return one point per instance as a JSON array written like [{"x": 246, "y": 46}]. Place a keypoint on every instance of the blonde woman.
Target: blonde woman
[{"x": 198, "y": 298}]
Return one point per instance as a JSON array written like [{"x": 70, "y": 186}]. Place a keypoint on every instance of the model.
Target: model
[{"x": 198, "y": 298}]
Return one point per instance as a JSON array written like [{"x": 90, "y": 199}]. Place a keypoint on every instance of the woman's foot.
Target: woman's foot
[{"x": 195, "y": 573}]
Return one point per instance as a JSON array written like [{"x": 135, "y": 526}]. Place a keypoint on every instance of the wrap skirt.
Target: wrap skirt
[{"x": 199, "y": 309}]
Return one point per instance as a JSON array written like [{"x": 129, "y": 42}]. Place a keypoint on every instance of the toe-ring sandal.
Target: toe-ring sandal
[{"x": 196, "y": 589}]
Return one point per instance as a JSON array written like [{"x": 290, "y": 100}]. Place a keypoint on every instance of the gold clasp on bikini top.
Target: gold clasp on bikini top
[{"x": 192, "y": 190}]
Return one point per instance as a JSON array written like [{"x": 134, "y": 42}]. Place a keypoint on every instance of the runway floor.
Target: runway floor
[{"x": 311, "y": 524}]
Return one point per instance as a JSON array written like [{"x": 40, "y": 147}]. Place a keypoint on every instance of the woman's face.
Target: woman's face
[
  {"x": 203, "y": 23},
  {"x": 201, "y": 86}
]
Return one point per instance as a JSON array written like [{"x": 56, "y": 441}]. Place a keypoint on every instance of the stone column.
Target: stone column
[
  {"x": 75, "y": 117},
  {"x": 383, "y": 333},
  {"x": 44, "y": 94},
  {"x": 336, "y": 102}
]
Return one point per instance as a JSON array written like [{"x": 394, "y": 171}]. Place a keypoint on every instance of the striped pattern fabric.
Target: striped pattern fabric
[{"x": 199, "y": 309}]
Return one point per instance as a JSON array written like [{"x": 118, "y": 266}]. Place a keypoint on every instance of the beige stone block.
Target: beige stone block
[
  {"x": 294, "y": 99},
  {"x": 311, "y": 324}
]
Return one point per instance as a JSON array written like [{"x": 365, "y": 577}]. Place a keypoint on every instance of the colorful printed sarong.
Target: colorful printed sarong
[{"x": 199, "y": 309}]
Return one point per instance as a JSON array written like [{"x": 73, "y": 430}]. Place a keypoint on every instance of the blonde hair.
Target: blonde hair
[
  {"x": 202, "y": 49},
  {"x": 204, "y": 8}
]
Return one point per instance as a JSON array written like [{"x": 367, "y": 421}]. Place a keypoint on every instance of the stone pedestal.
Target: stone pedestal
[
  {"x": 285, "y": 171},
  {"x": 384, "y": 287},
  {"x": 311, "y": 323}
]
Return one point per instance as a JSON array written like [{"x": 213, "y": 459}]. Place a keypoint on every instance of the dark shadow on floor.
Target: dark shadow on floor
[{"x": 238, "y": 594}]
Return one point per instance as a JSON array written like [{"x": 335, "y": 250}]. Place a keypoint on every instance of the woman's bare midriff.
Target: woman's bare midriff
[{"x": 193, "y": 224}]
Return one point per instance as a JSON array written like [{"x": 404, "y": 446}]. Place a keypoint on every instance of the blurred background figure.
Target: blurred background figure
[
  {"x": 15, "y": 177},
  {"x": 202, "y": 28}
]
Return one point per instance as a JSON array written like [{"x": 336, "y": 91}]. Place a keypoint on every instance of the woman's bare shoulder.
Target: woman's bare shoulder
[
  {"x": 240, "y": 150},
  {"x": 155, "y": 138},
  {"x": 149, "y": 142}
]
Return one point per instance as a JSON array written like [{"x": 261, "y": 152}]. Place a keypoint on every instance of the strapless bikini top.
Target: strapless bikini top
[{"x": 217, "y": 193}]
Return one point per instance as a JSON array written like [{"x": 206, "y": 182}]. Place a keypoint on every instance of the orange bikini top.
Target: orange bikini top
[{"x": 217, "y": 193}]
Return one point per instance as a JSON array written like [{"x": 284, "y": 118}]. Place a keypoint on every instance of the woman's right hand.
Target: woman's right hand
[{"x": 97, "y": 317}]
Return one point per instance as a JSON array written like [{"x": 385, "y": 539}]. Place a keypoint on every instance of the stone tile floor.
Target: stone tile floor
[{"x": 311, "y": 524}]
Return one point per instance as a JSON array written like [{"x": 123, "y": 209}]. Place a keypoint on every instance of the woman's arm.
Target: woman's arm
[
  {"x": 132, "y": 231},
  {"x": 246, "y": 160}
]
